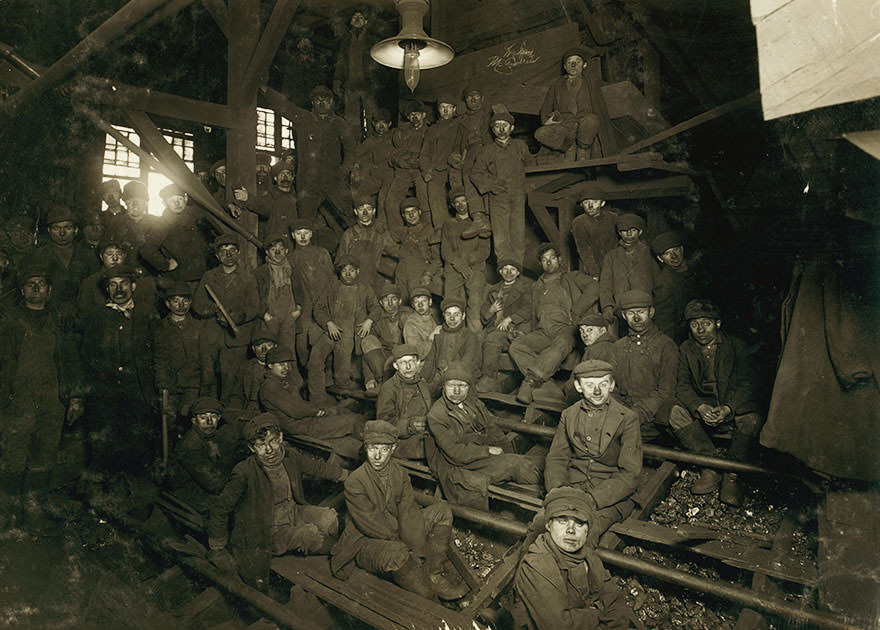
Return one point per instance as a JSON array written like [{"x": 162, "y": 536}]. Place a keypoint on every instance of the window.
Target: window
[
  {"x": 125, "y": 165},
  {"x": 265, "y": 129}
]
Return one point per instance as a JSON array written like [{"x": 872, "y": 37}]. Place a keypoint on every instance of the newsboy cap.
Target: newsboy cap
[
  {"x": 279, "y": 354},
  {"x": 459, "y": 371},
  {"x": 629, "y": 220},
  {"x": 261, "y": 421},
  {"x": 206, "y": 404},
  {"x": 379, "y": 432},
  {"x": 634, "y": 299},
  {"x": 592, "y": 368},
  {"x": 404, "y": 350},
  {"x": 452, "y": 301},
  {"x": 698, "y": 308},
  {"x": 568, "y": 501},
  {"x": 592, "y": 319},
  {"x": 665, "y": 241}
]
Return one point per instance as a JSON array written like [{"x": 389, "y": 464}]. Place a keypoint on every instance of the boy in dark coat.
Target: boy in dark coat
[
  {"x": 404, "y": 401},
  {"x": 506, "y": 314},
  {"x": 454, "y": 342},
  {"x": 675, "y": 285},
  {"x": 282, "y": 291},
  {"x": 561, "y": 580},
  {"x": 466, "y": 449},
  {"x": 387, "y": 332},
  {"x": 386, "y": 531},
  {"x": 265, "y": 502},
  {"x": 344, "y": 316},
  {"x": 594, "y": 231},
  {"x": 715, "y": 386},
  {"x": 464, "y": 260},
  {"x": 627, "y": 267},
  {"x": 418, "y": 262}
]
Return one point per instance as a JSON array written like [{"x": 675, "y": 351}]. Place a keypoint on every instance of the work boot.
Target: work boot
[
  {"x": 411, "y": 576},
  {"x": 526, "y": 391},
  {"x": 731, "y": 490},
  {"x": 549, "y": 393},
  {"x": 447, "y": 587},
  {"x": 480, "y": 227},
  {"x": 375, "y": 361},
  {"x": 694, "y": 438},
  {"x": 491, "y": 360},
  {"x": 740, "y": 449}
]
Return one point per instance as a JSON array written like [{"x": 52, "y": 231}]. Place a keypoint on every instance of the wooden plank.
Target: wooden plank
[
  {"x": 815, "y": 53},
  {"x": 725, "y": 548},
  {"x": 464, "y": 569},
  {"x": 217, "y": 9},
  {"x": 107, "y": 92},
  {"x": 273, "y": 35},
  {"x": 173, "y": 7},
  {"x": 495, "y": 582}
]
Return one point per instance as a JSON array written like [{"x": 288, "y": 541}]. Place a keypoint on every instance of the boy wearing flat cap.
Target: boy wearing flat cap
[
  {"x": 715, "y": 388},
  {"x": 506, "y": 313},
  {"x": 595, "y": 231},
  {"x": 265, "y": 501},
  {"x": 404, "y": 402},
  {"x": 441, "y": 155},
  {"x": 675, "y": 284},
  {"x": 367, "y": 241},
  {"x": 418, "y": 260},
  {"x": 387, "y": 332},
  {"x": 645, "y": 363},
  {"x": 561, "y": 580},
  {"x": 499, "y": 174},
  {"x": 205, "y": 455},
  {"x": 236, "y": 290},
  {"x": 344, "y": 316},
  {"x": 598, "y": 344},
  {"x": 279, "y": 394},
  {"x": 406, "y": 143},
  {"x": 454, "y": 342},
  {"x": 597, "y": 447},
  {"x": 68, "y": 260},
  {"x": 177, "y": 351},
  {"x": 386, "y": 531},
  {"x": 464, "y": 268},
  {"x": 466, "y": 449},
  {"x": 574, "y": 117},
  {"x": 315, "y": 267},
  {"x": 420, "y": 326},
  {"x": 629, "y": 266},
  {"x": 282, "y": 291}
]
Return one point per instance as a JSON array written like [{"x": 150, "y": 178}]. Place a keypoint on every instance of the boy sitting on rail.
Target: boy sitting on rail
[
  {"x": 386, "y": 531},
  {"x": 404, "y": 401},
  {"x": 265, "y": 500}
]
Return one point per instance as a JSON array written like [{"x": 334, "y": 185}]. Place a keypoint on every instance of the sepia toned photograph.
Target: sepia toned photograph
[{"x": 440, "y": 314}]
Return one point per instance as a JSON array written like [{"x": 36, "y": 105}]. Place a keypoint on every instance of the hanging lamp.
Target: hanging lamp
[{"x": 412, "y": 50}]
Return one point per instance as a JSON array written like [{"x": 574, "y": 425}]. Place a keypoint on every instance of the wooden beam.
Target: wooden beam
[
  {"x": 111, "y": 30},
  {"x": 218, "y": 11},
  {"x": 273, "y": 35},
  {"x": 178, "y": 171},
  {"x": 544, "y": 220},
  {"x": 712, "y": 114},
  {"x": 107, "y": 92},
  {"x": 173, "y": 7}
]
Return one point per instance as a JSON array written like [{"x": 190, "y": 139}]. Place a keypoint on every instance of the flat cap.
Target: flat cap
[
  {"x": 274, "y": 237},
  {"x": 110, "y": 185},
  {"x": 263, "y": 159},
  {"x": 410, "y": 202},
  {"x": 171, "y": 190},
  {"x": 629, "y": 220},
  {"x": 592, "y": 319},
  {"x": 135, "y": 190},
  {"x": 459, "y": 371},
  {"x": 281, "y": 165},
  {"x": 389, "y": 288},
  {"x": 217, "y": 165},
  {"x": 363, "y": 199},
  {"x": 119, "y": 271},
  {"x": 592, "y": 368},
  {"x": 262, "y": 332},
  {"x": 545, "y": 247},
  {"x": 471, "y": 89},
  {"x": 347, "y": 259},
  {"x": 58, "y": 213},
  {"x": 568, "y": 501},
  {"x": 34, "y": 269},
  {"x": 698, "y": 308},
  {"x": 578, "y": 51},
  {"x": 379, "y": 432},
  {"x": 457, "y": 192},
  {"x": 452, "y": 301},
  {"x": 410, "y": 106},
  {"x": 665, "y": 241},
  {"x": 591, "y": 191},
  {"x": 279, "y": 354},
  {"x": 499, "y": 113},
  {"x": 261, "y": 421},
  {"x": 206, "y": 404},
  {"x": 300, "y": 224},
  {"x": 179, "y": 288},
  {"x": 510, "y": 261},
  {"x": 110, "y": 241},
  {"x": 634, "y": 299},
  {"x": 420, "y": 291},
  {"x": 227, "y": 238},
  {"x": 446, "y": 97},
  {"x": 403, "y": 350},
  {"x": 320, "y": 90}
]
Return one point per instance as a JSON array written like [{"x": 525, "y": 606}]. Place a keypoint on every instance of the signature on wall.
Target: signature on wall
[{"x": 514, "y": 55}]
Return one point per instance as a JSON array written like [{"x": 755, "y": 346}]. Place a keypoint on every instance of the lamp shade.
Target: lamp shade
[{"x": 412, "y": 49}]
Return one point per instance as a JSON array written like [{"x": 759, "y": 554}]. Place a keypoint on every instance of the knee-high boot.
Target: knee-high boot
[{"x": 694, "y": 438}]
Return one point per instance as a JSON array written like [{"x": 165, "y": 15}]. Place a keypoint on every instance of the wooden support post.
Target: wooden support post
[
  {"x": 241, "y": 162},
  {"x": 272, "y": 36},
  {"x": 173, "y": 7},
  {"x": 114, "y": 28},
  {"x": 218, "y": 11}
]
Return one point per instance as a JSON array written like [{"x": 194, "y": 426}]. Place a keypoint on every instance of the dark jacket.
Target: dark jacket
[
  {"x": 594, "y": 237},
  {"x": 602, "y": 453},
  {"x": 624, "y": 271},
  {"x": 186, "y": 238},
  {"x": 555, "y": 310},
  {"x": 461, "y": 344},
  {"x": 644, "y": 371},
  {"x": 552, "y": 598},
  {"x": 237, "y": 291},
  {"x": 206, "y": 466},
  {"x": 516, "y": 303},
  {"x": 734, "y": 376},
  {"x": 177, "y": 354},
  {"x": 248, "y": 498},
  {"x": 406, "y": 404}
]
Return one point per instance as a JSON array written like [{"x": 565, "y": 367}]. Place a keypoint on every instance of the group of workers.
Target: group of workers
[{"x": 121, "y": 318}]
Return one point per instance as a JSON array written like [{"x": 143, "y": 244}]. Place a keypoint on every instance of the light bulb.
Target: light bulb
[{"x": 411, "y": 70}]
